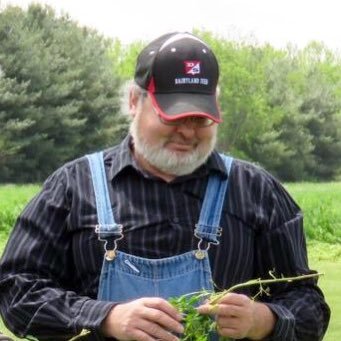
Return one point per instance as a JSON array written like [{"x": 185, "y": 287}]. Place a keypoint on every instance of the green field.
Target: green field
[{"x": 321, "y": 204}]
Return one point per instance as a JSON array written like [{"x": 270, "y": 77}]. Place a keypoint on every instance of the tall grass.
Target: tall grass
[
  {"x": 13, "y": 198},
  {"x": 321, "y": 205}
]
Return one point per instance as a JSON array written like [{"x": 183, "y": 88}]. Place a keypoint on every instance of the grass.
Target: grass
[
  {"x": 332, "y": 291},
  {"x": 321, "y": 204},
  {"x": 12, "y": 200},
  {"x": 16, "y": 194}
]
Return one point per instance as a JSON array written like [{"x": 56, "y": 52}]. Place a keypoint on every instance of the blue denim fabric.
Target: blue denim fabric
[{"x": 127, "y": 277}]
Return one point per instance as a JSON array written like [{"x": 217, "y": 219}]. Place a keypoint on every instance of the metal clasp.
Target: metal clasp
[
  {"x": 110, "y": 254},
  {"x": 201, "y": 253}
]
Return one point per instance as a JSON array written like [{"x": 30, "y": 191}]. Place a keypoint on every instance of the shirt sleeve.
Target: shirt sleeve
[
  {"x": 36, "y": 297},
  {"x": 301, "y": 311}
]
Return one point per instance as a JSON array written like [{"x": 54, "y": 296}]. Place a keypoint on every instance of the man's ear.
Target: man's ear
[{"x": 133, "y": 101}]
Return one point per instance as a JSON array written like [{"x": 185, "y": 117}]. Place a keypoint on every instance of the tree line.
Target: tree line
[{"x": 60, "y": 98}]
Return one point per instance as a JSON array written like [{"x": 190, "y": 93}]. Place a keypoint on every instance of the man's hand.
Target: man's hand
[
  {"x": 240, "y": 317},
  {"x": 144, "y": 319}
]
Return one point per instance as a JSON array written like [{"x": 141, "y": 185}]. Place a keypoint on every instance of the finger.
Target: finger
[
  {"x": 163, "y": 319},
  {"x": 140, "y": 335},
  {"x": 155, "y": 331},
  {"x": 234, "y": 299},
  {"x": 229, "y": 310},
  {"x": 231, "y": 332},
  {"x": 229, "y": 300},
  {"x": 163, "y": 305},
  {"x": 207, "y": 309},
  {"x": 228, "y": 322}
]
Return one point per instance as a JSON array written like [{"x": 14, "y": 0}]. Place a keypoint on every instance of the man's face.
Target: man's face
[{"x": 174, "y": 150}]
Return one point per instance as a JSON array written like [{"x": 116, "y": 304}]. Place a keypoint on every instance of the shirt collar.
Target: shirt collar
[
  {"x": 119, "y": 157},
  {"x": 215, "y": 163}
]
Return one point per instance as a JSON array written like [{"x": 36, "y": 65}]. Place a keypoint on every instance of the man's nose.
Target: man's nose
[{"x": 187, "y": 129}]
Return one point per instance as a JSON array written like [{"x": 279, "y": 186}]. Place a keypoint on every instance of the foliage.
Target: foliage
[
  {"x": 59, "y": 98},
  {"x": 197, "y": 326},
  {"x": 125, "y": 57},
  {"x": 331, "y": 289},
  {"x": 309, "y": 81},
  {"x": 58, "y": 92},
  {"x": 13, "y": 198},
  {"x": 321, "y": 206},
  {"x": 281, "y": 108},
  {"x": 323, "y": 251}
]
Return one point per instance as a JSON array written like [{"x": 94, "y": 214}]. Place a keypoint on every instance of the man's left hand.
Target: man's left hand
[{"x": 239, "y": 317}]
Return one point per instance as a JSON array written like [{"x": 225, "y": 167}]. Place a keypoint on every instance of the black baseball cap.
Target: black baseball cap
[{"x": 180, "y": 72}]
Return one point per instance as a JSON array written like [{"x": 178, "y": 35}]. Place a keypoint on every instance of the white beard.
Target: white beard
[{"x": 167, "y": 161}]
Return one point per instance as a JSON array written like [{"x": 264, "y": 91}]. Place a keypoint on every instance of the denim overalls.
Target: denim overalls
[{"x": 126, "y": 277}]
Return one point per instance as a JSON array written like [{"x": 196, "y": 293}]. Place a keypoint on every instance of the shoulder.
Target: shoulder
[
  {"x": 251, "y": 174},
  {"x": 257, "y": 197},
  {"x": 244, "y": 172},
  {"x": 80, "y": 165},
  {"x": 75, "y": 174}
]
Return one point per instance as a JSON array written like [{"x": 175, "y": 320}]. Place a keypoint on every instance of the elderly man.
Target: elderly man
[{"x": 114, "y": 234}]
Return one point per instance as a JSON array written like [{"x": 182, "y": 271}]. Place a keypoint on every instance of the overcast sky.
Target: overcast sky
[{"x": 275, "y": 21}]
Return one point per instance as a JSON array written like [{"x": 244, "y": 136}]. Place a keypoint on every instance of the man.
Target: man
[{"x": 113, "y": 235}]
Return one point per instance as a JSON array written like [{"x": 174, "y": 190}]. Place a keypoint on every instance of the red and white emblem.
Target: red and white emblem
[{"x": 192, "y": 67}]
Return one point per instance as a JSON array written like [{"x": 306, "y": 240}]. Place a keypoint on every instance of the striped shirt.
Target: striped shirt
[{"x": 50, "y": 269}]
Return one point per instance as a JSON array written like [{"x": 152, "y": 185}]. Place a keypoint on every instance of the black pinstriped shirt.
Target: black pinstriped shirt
[{"x": 51, "y": 266}]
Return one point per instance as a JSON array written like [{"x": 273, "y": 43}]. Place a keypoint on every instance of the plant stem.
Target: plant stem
[{"x": 214, "y": 298}]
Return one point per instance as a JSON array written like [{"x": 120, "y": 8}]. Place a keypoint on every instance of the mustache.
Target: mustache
[{"x": 184, "y": 141}]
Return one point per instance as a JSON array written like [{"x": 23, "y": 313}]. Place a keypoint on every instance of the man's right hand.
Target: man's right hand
[{"x": 144, "y": 319}]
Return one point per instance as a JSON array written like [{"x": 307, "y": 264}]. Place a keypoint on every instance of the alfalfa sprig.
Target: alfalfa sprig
[
  {"x": 215, "y": 297},
  {"x": 197, "y": 327}
]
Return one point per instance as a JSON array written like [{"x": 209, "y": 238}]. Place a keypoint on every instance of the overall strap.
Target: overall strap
[
  {"x": 208, "y": 226},
  {"x": 106, "y": 223}
]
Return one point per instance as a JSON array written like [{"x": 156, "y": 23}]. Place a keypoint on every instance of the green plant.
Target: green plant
[
  {"x": 198, "y": 327},
  {"x": 321, "y": 222},
  {"x": 321, "y": 206}
]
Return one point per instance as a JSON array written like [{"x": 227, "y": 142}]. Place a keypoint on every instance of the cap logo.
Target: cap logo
[{"x": 192, "y": 67}]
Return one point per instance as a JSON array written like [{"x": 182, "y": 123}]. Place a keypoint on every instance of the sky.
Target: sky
[{"x": 277, "y": 22}]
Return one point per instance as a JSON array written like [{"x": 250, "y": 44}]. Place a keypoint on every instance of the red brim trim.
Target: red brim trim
[{"x": 175, "y": 117}]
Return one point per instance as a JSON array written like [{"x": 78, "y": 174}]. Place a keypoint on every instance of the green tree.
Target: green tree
[
  {"x": 249, "y": 127},
  {"x": 66, "y": 89},
  {"x": 12, "y": 96},
  {"x": 125, "y": 57},
  {"x": 303, "y": 85},
  {"x": 284, "y": 79},
  {"x": 59, "y": 89},
  {"x": 281, "y": 108},
  {"x": 322, "y": 102}
]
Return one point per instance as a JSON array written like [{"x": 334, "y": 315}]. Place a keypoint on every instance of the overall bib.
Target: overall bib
[{"x": 126, "y": 277}]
